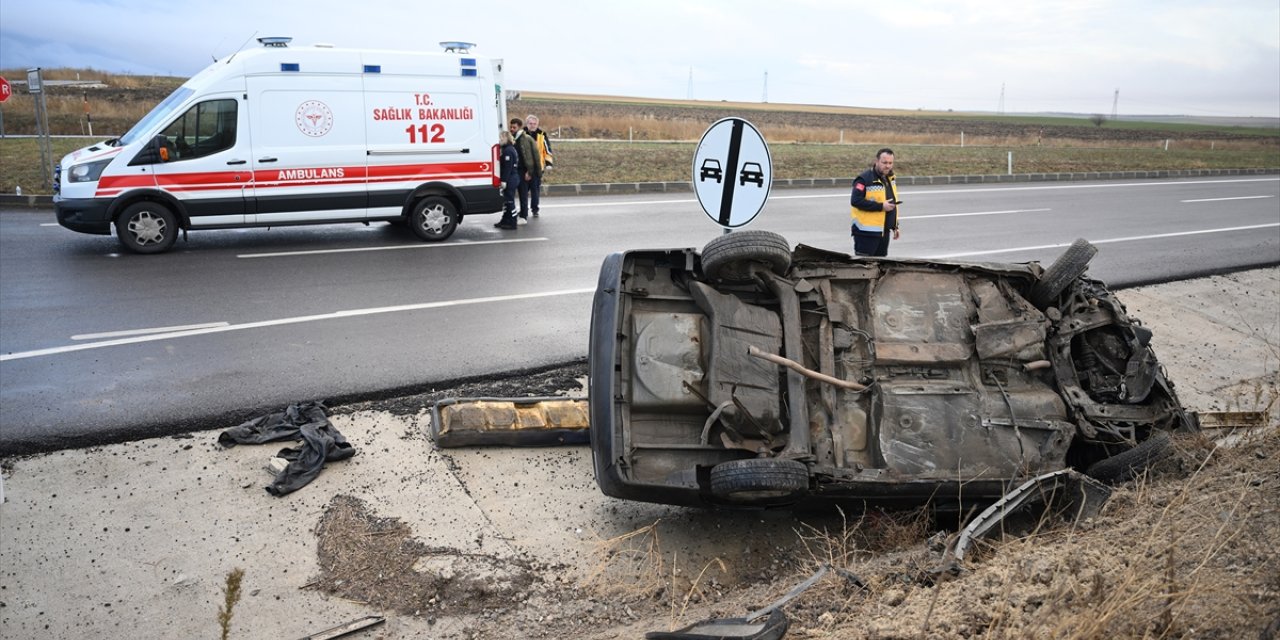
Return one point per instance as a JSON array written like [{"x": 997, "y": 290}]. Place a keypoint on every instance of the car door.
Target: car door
[
  {"x": 207, "y": 167},
  {"x": 308, "y": 148}
]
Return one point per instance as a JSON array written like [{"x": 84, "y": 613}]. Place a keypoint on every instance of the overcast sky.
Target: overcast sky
[{"x": 1203, "y": 57}]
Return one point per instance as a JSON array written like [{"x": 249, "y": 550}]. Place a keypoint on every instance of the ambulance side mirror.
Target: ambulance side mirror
[{"x": 156, "y": 152}]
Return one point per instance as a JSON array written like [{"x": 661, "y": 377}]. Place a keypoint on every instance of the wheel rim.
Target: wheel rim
[
  {"x": 434, "y": 219},
  {"x": 147, "y": 228}
]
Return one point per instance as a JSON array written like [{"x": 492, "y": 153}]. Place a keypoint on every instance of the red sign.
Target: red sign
[{"x": 4, "y": 90}]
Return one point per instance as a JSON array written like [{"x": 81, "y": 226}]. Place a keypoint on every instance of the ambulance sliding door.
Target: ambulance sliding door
[
  {"x": 424, "y": 128},
  {"x": 308, "y": 147}
]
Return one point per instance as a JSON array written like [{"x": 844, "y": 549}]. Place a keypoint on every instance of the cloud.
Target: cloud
[{"x": 1051, "y": 55}]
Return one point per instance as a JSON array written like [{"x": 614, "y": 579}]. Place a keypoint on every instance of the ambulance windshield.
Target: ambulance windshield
[{"x": 162, "y": 112}]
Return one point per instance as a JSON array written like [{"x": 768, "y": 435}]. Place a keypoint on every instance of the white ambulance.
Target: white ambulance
[{"x": 282, "y": 135}]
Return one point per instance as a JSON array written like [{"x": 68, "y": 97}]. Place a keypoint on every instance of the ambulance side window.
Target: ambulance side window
[{"x": 206, "y": 128}]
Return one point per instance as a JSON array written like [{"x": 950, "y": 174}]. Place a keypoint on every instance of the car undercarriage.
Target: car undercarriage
[{"x": 751, "y": 374}]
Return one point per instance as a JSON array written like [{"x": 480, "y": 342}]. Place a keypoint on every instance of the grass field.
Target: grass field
[
  {"x": 617, "y": 139},
  {"x": 608, "y": 161}
]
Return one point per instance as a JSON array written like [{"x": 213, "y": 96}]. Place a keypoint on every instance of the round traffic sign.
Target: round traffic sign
[
  {"x": 5, "y": 90},
  {"x": 732, "y": 172}
]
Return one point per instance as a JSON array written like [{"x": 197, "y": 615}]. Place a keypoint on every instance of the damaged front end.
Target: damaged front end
[{"x": 751, "y": 374}]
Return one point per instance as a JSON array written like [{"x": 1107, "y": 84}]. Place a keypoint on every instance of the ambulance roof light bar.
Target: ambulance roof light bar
[
  {"x": 275, "y": 42},
  {"x": 451, "y": 46}
]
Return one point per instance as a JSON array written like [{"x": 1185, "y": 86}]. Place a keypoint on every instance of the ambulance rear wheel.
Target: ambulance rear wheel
[
  {"x": 434, "y": 218},
  {"x": 147, "y": 227}
]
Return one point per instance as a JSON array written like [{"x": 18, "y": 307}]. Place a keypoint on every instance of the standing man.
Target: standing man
[
  {"x": 875, "y": 207},
  {"x": 543, "y": 145},
  {"x": 530, "y": 165}
]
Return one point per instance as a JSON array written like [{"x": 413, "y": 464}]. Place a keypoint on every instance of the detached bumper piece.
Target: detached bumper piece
[{"x": 513, "y": 422}]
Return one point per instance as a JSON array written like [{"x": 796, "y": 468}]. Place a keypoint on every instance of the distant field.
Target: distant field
[
  {"x": 616, "y": 139},
  {"x": 587, "y": 162}
]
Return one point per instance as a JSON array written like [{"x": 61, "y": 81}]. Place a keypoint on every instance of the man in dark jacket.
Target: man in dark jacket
[
  {"x": 875, "y": 207},
  {"x": 509, "y": 165},
  {"x": 543, "y": 144},
  {"x": 530, "y": 165}
]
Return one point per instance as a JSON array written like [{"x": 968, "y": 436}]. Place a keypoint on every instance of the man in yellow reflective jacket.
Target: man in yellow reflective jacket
[{"x": 874, "y": 207}]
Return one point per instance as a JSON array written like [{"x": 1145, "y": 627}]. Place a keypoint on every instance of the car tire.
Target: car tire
[
  {"x": 759, "y": 481},
  {"x": 147, "y": 227},
  {"x": 732, "y": 257},
  {"x": 434, "y": 218},
  {"x": 1128, "y": 464},
  {"x": 1069, "y": 266}
]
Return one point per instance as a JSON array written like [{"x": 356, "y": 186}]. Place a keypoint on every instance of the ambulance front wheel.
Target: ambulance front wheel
[
  {"x": 434, "y": 218},
  {"x": 147, "y": 227}
]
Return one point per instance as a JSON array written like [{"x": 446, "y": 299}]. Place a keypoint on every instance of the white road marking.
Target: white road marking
[
  {"x": 1221, "y": 199},
  {"x": 50, "y": 224},
  {"x": 139, "y": 332},
  {"x": 350, "y": 313},
  {"x": 1105, "y": 241},
  {"x": 975, "y": 213},
  {"x": 442, "y": 245}
]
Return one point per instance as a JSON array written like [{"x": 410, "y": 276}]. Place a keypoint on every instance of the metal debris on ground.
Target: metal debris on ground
[
  {"x": 1074, "y": 494},
  {"x": 1232, "y": 419},
  {"x": 346, "y": 628},
  {"x": 745, "y": 628},
  {"x": 465, "y": 422}
]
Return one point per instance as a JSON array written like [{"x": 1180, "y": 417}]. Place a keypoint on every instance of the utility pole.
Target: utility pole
[
  {"x": 1000, "y": 110},
  {"x": 765, "y": 97},
  {"x": 1115, "y": 105},
  {"x": 690, "y": 96}
]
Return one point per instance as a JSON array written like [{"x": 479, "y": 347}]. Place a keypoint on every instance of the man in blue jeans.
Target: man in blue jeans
[{"x": 542, "y": 144}]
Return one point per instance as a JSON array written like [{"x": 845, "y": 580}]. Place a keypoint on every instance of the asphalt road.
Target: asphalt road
[{"x": 97, "y": 345}]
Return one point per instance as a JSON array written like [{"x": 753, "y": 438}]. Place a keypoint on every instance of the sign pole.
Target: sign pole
[
  {"x": 5, "y": 91},
  {"x": 35, "y": 86}
]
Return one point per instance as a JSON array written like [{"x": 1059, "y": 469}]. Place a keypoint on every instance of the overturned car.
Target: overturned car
[{"x": 750, "y": 374}]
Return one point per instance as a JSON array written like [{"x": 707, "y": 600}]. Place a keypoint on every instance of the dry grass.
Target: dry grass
[
  {"x": 631, "y": 140},
  {"x": 611, "y": 162},
  {"x": 230, "y": 598},
  {"x": 633, "y": 566},
  {"x": 1187, "y": 552}
]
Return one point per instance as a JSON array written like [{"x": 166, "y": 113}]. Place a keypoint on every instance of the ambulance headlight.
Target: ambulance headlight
[{"x": 87, "y": 172}]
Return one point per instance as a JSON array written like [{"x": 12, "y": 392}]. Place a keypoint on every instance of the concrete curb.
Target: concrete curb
[{"x": 45, "y": 201}]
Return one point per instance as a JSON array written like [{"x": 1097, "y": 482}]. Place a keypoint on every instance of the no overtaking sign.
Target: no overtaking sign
[{"x": 732, "y": 172}]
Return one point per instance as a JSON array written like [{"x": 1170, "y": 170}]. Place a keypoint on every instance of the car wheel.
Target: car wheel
[
  {"x": 147, "y": 227},
  {"x": 1127, "y": 464},
  {"x": 732, "y": 257},
  {"x": 434, "y": 218},
  {"x": 759, "y": 480},
  {"x": 1069, "y": 266}
]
